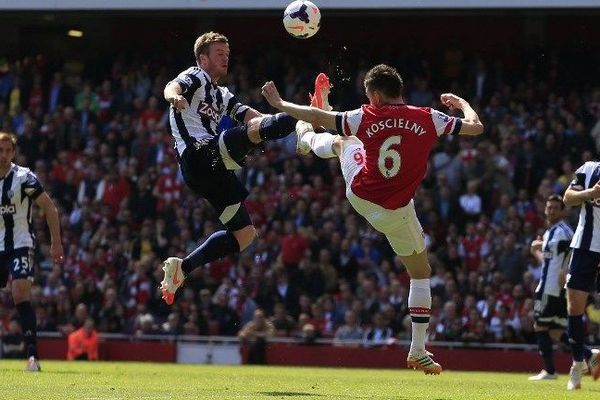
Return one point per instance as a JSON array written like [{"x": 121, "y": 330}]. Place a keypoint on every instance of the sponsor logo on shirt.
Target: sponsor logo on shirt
[{"x": 7, "y": 209}]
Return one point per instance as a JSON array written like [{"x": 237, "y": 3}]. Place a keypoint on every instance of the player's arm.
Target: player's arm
[
  {"x": 470, "y": 124},
  {"x": 251, "y": 113},
  {"x": 563, "y": 246},
  {"x": 575, "y": 195},
  {"x": 47, "y": 205},
  {"x": 536, "y": 250},
  {"x": 172, "y": 94},
  {"x": 315, "y": 116}
]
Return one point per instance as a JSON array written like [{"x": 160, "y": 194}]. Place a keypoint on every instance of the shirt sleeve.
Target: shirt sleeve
[
  {"x": 347, "y": 122},
  {"x": 578, "y": 182},
  {"x": 236, "y": 110},
  {"x": 445, "y": 124},
  {"x": 188, "y": 81},
  {"x": 31, "y": 186}
]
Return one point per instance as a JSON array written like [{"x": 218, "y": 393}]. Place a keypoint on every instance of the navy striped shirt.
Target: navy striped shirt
[
  {"x": 555, "y": 249},
  {"x": 208, "y": 104},
  {"x": 587, "y": 234},
  {"x": 18, "y": 188}
]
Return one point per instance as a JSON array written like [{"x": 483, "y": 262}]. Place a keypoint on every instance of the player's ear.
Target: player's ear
[
  {"x": 377, "y": 98},
  {"x": 202, "y": 60}
]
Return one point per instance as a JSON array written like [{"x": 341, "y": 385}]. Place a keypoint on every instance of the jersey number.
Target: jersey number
[
  {"x": 389, "y": 169},
  {"x": 22, "y": 264}
]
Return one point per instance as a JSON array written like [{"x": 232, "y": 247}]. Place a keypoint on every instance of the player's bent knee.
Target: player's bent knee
[
  {"x": 235, "y": 217},
  {"x": 245, "y": 236},
  {"x": 254, "y": 124}
]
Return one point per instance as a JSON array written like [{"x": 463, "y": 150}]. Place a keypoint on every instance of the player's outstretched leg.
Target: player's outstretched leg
[
  {"x": 320, "y": 98},
  {"x": 322, "y": 144},
  {"x": 220, "y": 244},
  {"x": 236, "y": 143}
]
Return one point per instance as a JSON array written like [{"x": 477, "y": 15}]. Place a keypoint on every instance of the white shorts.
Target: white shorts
[{"x": 401, "y": 227}]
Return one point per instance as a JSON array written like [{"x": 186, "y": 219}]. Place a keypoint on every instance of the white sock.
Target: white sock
[
  {"x": 419, "y": 307},
  {"x": 320, "y": 143}
]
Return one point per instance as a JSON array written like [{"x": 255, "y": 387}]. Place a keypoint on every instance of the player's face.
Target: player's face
[
  {"x": 553, "y": 212},
  {"x": 7, "y": 153},
  {"x": 217, "y": 60}
]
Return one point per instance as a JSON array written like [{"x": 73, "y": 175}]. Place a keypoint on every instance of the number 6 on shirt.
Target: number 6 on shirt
[{"x": 385, "y": 153}]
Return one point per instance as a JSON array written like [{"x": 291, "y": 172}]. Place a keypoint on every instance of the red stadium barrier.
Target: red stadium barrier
[
  {"x": 113, "y": 350},
  {"x": 395, "y": 357}
]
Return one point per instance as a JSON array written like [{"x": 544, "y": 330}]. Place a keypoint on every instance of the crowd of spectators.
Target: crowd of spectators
[{"x": 100, "y": 144}]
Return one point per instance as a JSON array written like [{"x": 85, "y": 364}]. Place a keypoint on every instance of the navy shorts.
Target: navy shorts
[
  {"x": 18, "y": 263},
  {"x": 205, "y": 174},
  {"x": 550, "y": 311},
  {"x": 583, "y": 270}
]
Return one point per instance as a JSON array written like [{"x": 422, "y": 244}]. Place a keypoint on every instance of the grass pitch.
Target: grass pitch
[{"x": 120, "y": 381}]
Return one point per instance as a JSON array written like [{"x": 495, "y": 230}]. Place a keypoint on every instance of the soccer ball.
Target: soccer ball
[{"x": 302, "y": 19}]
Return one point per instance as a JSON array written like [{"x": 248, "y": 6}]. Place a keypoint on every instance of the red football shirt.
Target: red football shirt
[{"x": 397, "y": 140}]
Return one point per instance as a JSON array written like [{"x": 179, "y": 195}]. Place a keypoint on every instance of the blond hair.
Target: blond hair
[
  {"x": 9, "y": 137},
  {"x": 203, "y": 42}
]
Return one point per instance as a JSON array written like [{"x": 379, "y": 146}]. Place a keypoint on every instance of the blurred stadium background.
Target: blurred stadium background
[{"x": 81, "y": 85}]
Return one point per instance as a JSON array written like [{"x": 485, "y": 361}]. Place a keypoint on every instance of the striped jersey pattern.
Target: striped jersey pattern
[
  {"x": 19, "y": 188},
  {"x": 208, "y": 104},
  {"x": 587, "y": 233},
  {"x": 555, "y": 249}
]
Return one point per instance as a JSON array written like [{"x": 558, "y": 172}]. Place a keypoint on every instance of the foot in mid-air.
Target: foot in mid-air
[
  {"x": 320, "y": 98},
  {"x": 575, "y": 373},
  {"x": 543, "y": 375},
  {"x": 33, "y": 365},
  {"x": 172, "y": 280},
  {"x": 302, "y": 147},
  {"x": 423, "y": 361}
]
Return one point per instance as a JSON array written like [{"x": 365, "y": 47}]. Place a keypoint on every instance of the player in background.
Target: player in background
[
  {"x": 550, "y": 307},
  {"x": 207, "y": 159},
  {"x": 383, "y": 150},
  {"x": 20, "y": 188},
  {"x": 583, "y": 191}
]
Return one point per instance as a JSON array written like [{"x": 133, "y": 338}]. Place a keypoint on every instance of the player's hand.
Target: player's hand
[
  {"x": 452, "y": 101},
  {"x": 271, "y": 94},
  {"x": 595, "y": 191},
  {"x": 179, "y": 102},
  {"x": 536, "y": 245},
  {"x": 56, "y": 251}
]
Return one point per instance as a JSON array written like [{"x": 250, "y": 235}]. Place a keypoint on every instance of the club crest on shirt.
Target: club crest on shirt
[{"x": 443, "y": 117}]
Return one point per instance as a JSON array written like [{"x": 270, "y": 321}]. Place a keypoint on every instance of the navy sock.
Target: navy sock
[
  {"x": 238, "y": 143},
  {"x": 576, "y": 334},
  {"x": 545, "y": 345},
  {"x": 29, "y": 325},
  {"x": 276, "y": 126},
  {"x": 218, "y": 245}
]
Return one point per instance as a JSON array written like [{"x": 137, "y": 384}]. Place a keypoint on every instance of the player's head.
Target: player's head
[
  {"x": 8, "y": 148},
  {"x": 212, "y": 54},
  {"x": 554, "y": 208},
  {"x": 382, "y": 84}
]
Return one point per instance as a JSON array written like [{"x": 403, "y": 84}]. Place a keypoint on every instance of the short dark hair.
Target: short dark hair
[
  {"x": 558, "y": 198},
  {"x": 384, "y": 79},
  {"x": 204, "y": 41}
]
